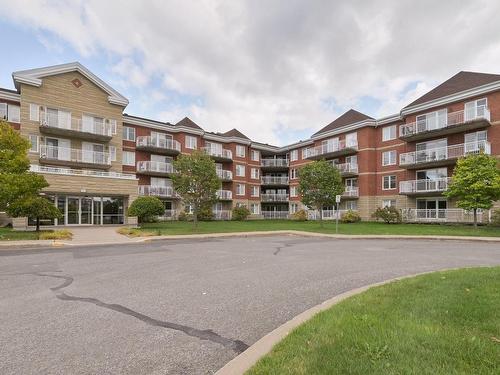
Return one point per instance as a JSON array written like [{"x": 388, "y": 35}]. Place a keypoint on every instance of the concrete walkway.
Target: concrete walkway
[{"x": 97, "y": 235}]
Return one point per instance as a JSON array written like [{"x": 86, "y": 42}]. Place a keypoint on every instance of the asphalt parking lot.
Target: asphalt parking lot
[{"x": 186, "y": 306}]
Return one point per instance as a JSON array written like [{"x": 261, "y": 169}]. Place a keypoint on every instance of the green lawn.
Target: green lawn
[
  {"x": 7, "y": 234},
  {"x": 182, "y": 227},
  {"x": 441, "y": 323}
]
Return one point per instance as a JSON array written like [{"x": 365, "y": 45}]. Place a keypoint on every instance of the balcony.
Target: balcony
[
  {"x": 224, "y": 175},
  {"x": 449, "y": 215},
  {"x": 275, "y": 214},
  {"x": 351, "y": 192},
  {"x": 162, "y": 146},
  {"x": 426, "y": 186},
  {"x": 327, "y": 214},
  {"x": 274, "y": 164},
  {"x": 81, "y": 172},
  {"x": 455, "y": 122},
  {"x": 73, "y": 157},
  {"x": 224, "y": 195},
  {"x": 157, "y": 191},
  {"x": 218, "y": 154},
  {"x": 331, "y": 150},
  {"x": 442, "y": 155},
  {"x": 274, "y": 181},
  {"x": 347, "y": 169},
  {"x": 52, "y": 124},
  {"x": 155, "y": 168},
  {"x": 274, "y": 197},
  {"x": 222, "y": 215}
]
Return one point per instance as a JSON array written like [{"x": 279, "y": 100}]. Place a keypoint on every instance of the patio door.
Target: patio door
[
  {"x": 432, "y": 209},
  {"x": 79, "y": 211}
]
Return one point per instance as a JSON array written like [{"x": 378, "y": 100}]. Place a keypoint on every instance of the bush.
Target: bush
[
  {"x": 206, "y": 213},
  {"x": 300, "y": 215},
  {"x": 240, "y": 213},
  {"x": 495, "y": 218},
  {"x": 350, "y": 216},
  {"x": 184, "y": 216},
  {"x": 146, "y": 209},
  {"x": 390, "y": 215}
]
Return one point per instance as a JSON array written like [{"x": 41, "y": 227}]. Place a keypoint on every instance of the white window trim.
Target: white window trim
[
  {"x": 18, "y": 110},
  {"x": 395, "y": 182},
  {"x": 242, "y": 186},
  {"x": 389, "y": 162},
  {"x": 191, "y": 142},
  {"x": 37, "y": 144},
  {"x": 254, "y": 152},
  {"x": 391, "y": 138},
  {"x": 112, "y": 153},
  {"x": 294, "y": 155},
  {"x": 131, "y": 163},
  {"x": 238, "y": 149},
  {"x": 240, "y": 167},
  {"x": 126, "y": 130}
]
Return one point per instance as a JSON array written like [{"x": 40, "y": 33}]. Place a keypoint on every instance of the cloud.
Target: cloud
[{"x": 267, "y": 68}]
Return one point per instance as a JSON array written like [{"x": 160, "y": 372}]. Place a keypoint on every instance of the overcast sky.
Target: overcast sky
[{"x": 276, "y": 70}]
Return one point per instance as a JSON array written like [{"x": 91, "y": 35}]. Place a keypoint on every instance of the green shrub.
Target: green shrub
[
  {"x": 300, "y": 215},
  {"x": 184, "y": 216},
  {"x": 240, "y": 213},
  {"x": 146, "y": 209},
  {"x": 390, "y": 215},
  {"x": 350, "y": 216},
  {"x": 206, "y": 213},
  {"x": 495, "y": 218}
]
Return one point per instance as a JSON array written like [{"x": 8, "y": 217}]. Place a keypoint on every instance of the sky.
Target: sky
[{"x": 276, "y": 70}]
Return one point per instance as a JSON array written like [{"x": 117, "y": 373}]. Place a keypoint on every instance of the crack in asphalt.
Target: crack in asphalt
[
  {"x": 279, "y": 248},
  {"x": 236, "y": 345}
]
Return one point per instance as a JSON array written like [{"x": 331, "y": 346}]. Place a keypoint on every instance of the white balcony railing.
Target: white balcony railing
[
  {"x": 224, "y": 194},
  {"x": 346, "y": 168},
  {"x": 351, "y": 191},
  {"x": 424, "y": 185},
  {"x": 222, "y": 215},
  {"x": 269, "y": 197},
  {"x": 74, "y": 155},
  {"x": 275, "y": 214},
  {"x": 329, "y": 148},
  {"x": 217, "y": 152},
  {"x": 327, "y": 214},
  {"x": 93, "y": 126},
  {"x": 224, "y": 175},
  {"x": 157, "y": 191},
  {"x": 451, "y": 119},
  {"x": 274, "y": 162},
  {"x": 155, "y": 166},
  {"x": 157, "y": 142},
  {"x": 449, "y": 215},
  {"x": 274, "y": 180},
  {"x": 80, "y": 172},
  {"x": 444, "y": 153}
]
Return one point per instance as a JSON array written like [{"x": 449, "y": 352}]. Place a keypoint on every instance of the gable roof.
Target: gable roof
[
  {"x": 350, "y": 117},
  {"x": 235, "y": 133},
  {"x": 34, "y": 77},
  {"x": 461, "y": 81},
  {"x": 187, "y": 122}
]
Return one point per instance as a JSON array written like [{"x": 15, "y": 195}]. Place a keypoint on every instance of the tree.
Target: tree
[
  {"x": 196, "y": 181},
  {"x": 16, "y": 182},
  {"x": 319, "y": 183},
  {"x": 475, "y": 183},
  {"x": 146, "y": 209},
  {"x": 35, "y": 207}
]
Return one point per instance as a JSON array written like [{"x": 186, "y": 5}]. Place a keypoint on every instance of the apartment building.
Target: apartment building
[{"x": 98, "y": 159}]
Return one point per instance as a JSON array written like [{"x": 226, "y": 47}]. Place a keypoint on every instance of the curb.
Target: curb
[{"x": 244, "y": 361}]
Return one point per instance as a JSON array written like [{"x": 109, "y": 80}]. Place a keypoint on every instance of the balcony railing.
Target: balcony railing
[
  {"x": 444, "y": 153},
  {"x": 80, "y": 172},
  {"x": 351, "y": 191},
  {"x": 73, "y": 155},
  {"x": 52, "y": 120},
  {"x": 222, "y": 215},
  {"x": 155, "y": 167},
  {"x": 274, "y": 197},
  {"x": 274, "y": 180},
  {"x": 424, "y": 185},
  {"x": 274, "y": 163},
  {"x": 330, "y": 148},
  {"x": 275, "y": 214},
  {"x": 157, "y": 191},
  {"x": 224, "y": 194},
  {"x": 224, "y": 175},
  {"x": 327, "y": 214},
  {"x": 449, "y": 215},
  {"x": 451, "y": 119},
  {"x": 347, "y": 168},
  {"x": 158, "y": 143},
  {"x": 218, "y": 153}
]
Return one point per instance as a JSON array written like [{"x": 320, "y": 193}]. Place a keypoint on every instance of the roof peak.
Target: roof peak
[{"x": 349, "y": 117}]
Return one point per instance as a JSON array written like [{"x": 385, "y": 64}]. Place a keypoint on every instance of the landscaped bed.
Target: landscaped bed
[
  {"x": 7, "y": 234},
  {"x": 440, "y": 323},
  {"x": 183, "y": 227}
]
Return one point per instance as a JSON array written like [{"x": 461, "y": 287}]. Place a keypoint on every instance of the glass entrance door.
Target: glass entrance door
[
  {"x": 85, "y": 210},
  {"x": 73, "y": 211},
  {"x": 79, "y": 211}
]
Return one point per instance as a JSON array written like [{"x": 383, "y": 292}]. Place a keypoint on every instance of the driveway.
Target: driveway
[{"x": 187, "y": 306}]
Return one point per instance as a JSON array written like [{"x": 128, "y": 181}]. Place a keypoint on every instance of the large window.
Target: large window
[
  {"x": 33, "y": 143},
  {"x": 128, "y": 158},
  {"x": 191, "y": 142},
  {"x": 112, "y": 210},
  {"x": 240, "y": 170},
  {"x": 293, "y": 191},
  {"x": 240, "y": 189},
  {"x": 389, "y": 158},
  {"x": 255, "y": 191},
  {"x": 389, "y": 182},
  {"x": 128, "y": 133},
  {"x": 294, "y": 155},
  {"x": 255, "y": 155},
  {"x": 255, "y": 173},
  {"x": 240, "y": 151},
  {"x": 389, "y": 133},
  {"x": 10, "y": 112}
]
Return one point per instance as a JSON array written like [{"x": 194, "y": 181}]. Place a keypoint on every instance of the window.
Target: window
[
  {"x": 389, "y": 183},
  {"x": 255, "y": 155},
  {"x": 13, "y": 113},
  {"x": 389, "y": 133},
  {"x": 293, "y": 173},
  {"x": 351, "y": 140},
  {"x": 389, "y": 158},
  {"x": 294, "y": 207},
  {"x": 3, "y": 111},
  {"x": 128, "y": 133},
  {"x": 432, "y": 120},
  {"x": 240, "y": 151},
  {"x": 255, "y": 173},
  {"x": 34, "y": 142},
  {"x": 255, "y": 191},
  {"x": 254, "y": 208},
  {"x": 351, "y": 205},
  {"x": 191, "y": 142},
  {"x": 112, "y": 125},
  {"x": 128, "y": 158},
  {"x": 294, "y": 155},
  {"x": 34, "y": 112},
  {"x": 293, "y": 191},
  {"x": 388, "y": 203},
  {"x": 112, "y": 153},
  {"x": 476, "y": 109},
  {"x": 240, "y": 170},
  {"x": 240, "y": 189}
]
